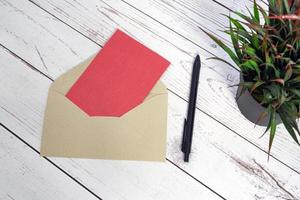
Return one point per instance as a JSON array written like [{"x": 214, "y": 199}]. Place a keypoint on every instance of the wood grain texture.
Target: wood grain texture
[
  {"x": 215, "y": 96},
  {"x": 212, "y": 154},
  {"x": 216, "y": 159},
  {"x": 27, "y": 95},
  {"x": 25, "y": 175}
]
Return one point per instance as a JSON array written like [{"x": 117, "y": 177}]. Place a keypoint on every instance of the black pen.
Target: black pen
[{"x": 189, "y": 121}]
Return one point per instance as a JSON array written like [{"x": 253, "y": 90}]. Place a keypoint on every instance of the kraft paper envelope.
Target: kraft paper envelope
[{"x": 139, "y": 134}]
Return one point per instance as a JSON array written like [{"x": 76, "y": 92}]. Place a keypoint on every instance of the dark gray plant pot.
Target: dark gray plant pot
[{"x": 251, "y": 109}]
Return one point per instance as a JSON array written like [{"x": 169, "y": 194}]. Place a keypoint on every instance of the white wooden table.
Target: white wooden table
[{"x": 41, "y": 39}]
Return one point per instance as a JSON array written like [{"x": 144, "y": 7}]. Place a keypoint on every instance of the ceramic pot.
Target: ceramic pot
[{"x": 250, "y": 108}]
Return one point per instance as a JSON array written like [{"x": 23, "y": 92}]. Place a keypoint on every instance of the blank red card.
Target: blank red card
[{"x": 119, "y": 78}]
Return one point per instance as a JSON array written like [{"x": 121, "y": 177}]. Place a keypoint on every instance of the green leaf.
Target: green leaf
[
  {"x": 272, "y": 6},
  {"x": 269, "y": 110},
  {"x": 235, "y": 42},
  {"x": 267, "y": 97},
  {"x": 288, "y": 74},
  {"x": 255, "y": 27},
  {"x": 222, "y": 60},
  {"x": 286, "y": 6},
  {"x": 287, "y": 125},
  {"x": 236, "y": 23},
  {"x": 244, "y": 86},
  {"x": 290, "y": 110},
  {"x": 264, "y": 13},
  {"x": 251, "y": 65},
  {"x": 250, "y": 51},
  {"x": 244, "y": 17},
  {"x": 223, "y": 46},
  {"x": 275, "y": 90},
  {"x": 247, "y": 85},
  {"x": 295, "y": 80},
  {"x": 256, "y": 85},
  {"x": 255, "y": 41},
  {"x": 296, "y": 71},
  {"x": 276, "y": 71},
  {"x": 251, "y": 15},
  {"x": 273, "y": 130},
  {"x": 256, "y": 12},
  {"x": 295, "y": 91}
]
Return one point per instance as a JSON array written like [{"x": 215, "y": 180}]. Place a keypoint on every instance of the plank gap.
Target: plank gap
[
  {"x": 37, "y": 5},
  {"x": 53, "y": 163},
  {"x": 168, "y": 89},
  {"x": 50, "y": 161}
]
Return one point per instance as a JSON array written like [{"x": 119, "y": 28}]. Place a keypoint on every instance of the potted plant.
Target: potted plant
[{"x": 266, "y": 48}]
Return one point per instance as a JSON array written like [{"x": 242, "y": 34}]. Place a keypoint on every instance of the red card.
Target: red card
[{"x": 118, "y": 79}]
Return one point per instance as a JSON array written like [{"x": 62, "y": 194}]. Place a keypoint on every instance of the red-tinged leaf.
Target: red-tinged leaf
[
  {"x": 256, "y": 85},
  {"x": 279, "y": 80},
  {"x": 262, "y": 116},
  {"x": 289, "y": 46},
  {"x": 289, "y": 17}
]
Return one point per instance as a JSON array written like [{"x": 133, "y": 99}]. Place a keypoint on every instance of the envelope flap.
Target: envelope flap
[
  {"x": 159, "y": 88},
  {"x": 138, "y": 135},
  {"x": 64, "y": 82}
]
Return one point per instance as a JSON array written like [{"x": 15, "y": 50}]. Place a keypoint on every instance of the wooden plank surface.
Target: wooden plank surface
[
  {"x": 108, "y": 179},
  {"x": 245, "y": 174},
  {"x": 54, "y": 47},
  {"x": 25, "y": 175},
  {"x": 215, "y": 98},
  {"x": 242, "y": 182}
]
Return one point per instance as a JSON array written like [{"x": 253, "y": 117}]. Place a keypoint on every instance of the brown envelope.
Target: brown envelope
[{"x": 139, "y": 134}]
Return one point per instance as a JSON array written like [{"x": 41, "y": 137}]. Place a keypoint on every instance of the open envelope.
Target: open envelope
[{"x": 139, "y": 134}]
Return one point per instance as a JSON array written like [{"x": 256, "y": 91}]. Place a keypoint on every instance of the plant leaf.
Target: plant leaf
[
  {"x": 279, "y": 80},
  {"x": 223, "y": 46},
  {"x": 256, "y": 12},
  {"x": 273, "y": 130},
  {"x": 251, "y": 65},
  {"x": 295, "y": 91},
  {"x": 287, "y": 125},
  {"x": 256, "y": 85},
  {"x": 261, "y": 116},
  {"x": 235, "y": 41},
  {"x": 295, "y": 80},
  {"x": 288, "y": 74},
  {"x": 222, "y": 60},
  {"x": 269, "y": 110}
]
